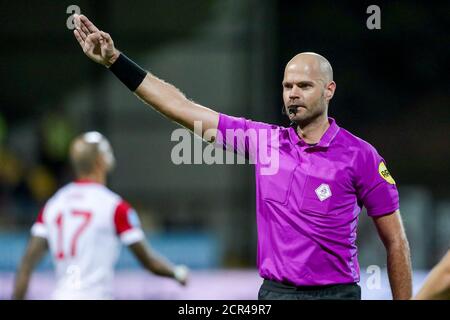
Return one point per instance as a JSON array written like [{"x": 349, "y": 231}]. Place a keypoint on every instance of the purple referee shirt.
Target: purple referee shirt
[{"x": 307, "y": 209}]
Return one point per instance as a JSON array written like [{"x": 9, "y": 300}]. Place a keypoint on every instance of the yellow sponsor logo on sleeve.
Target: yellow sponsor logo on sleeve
[{"x": 384, "y": 173}]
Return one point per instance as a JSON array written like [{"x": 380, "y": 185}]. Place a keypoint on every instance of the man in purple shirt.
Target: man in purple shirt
[{"x": 312, "y": 178}]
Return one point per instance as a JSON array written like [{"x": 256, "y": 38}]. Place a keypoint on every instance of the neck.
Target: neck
[
  {"x": 94, "y": 177},
  {"x": 312, "y": 131}
]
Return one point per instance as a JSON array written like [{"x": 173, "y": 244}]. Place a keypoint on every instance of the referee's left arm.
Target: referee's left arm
[
  {"x": 393, "y": 236},
  {"x": 377, "y": 191}
]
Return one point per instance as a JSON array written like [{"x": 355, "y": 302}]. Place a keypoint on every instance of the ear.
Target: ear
[{"x": 329, "y": 90}]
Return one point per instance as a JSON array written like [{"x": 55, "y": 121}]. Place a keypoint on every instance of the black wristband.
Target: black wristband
[{"x": 128, "y": 72}]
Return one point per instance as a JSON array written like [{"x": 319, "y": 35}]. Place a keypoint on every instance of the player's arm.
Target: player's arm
[
  {"x": 36, "y": 249},
  {"x": 393, "y": 236},
  {"x": 128, "y": 228},
  {"x": 157, "y": 264},
  {"x": 437, "y": 285},
  {"x": 162, "y": 96}
]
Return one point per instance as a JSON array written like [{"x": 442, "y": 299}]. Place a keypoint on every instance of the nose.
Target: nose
[{"x": 295, "y": 92}]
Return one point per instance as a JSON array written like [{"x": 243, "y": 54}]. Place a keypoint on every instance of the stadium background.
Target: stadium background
[{"x": 392, "y": 90}]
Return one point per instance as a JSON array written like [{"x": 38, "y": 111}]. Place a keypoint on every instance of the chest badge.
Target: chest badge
[{"x": 323, "y": 192}]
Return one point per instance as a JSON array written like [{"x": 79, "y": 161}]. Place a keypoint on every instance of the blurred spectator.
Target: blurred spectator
[
  {"x": 55, "y": 134},
  {"x": 24, "y": 187},
  {"x": 42, "y": 183}
]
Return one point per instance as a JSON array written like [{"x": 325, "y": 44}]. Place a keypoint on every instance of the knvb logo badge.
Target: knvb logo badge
[{"x": 323, "y": 192}]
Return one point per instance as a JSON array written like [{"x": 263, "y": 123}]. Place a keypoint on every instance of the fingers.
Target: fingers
[
  {"x": 81, "y": 27},
  {"x": 79, "y": 38},
  {"x": 85, "y": 30},
  {"x": 82, "y": 34},
  {"x": 91, "y": 41},
  {"x": 88, "y": 24},
  {"x": 106, "y": 37},
  {"x": 77, "y": 20},
  {"x": 93, "y": 38}
]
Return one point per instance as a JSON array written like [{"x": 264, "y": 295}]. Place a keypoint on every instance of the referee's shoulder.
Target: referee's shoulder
[{"x": 350, "y": 140}]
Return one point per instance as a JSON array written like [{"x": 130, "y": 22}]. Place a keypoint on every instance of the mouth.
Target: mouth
[{"x": 294, "y": 108}]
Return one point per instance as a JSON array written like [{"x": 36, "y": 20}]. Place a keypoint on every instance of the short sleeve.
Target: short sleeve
[
  {"x": 127, "y": 224},
  {"x": 39, "y": 229},
  {"x": 376, "y": 188},
  {"x": 243, "y": 136}
]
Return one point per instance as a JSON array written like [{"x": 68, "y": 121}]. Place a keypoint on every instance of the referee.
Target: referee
[{"x": 307, "y": 212}]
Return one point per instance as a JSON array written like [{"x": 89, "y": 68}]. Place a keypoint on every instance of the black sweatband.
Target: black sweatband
[{"x": 128, "y": 72}]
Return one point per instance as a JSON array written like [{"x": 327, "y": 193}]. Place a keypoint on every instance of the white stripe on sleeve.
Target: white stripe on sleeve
[
  {"x": 39, "y": 230},
  {"x": 132, "y": 236}
]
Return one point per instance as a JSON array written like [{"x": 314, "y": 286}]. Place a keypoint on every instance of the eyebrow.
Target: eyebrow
[{"x": 304, "y": 82}]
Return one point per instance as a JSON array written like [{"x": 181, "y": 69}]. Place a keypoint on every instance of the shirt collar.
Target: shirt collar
[
  {"x": 326, "y": 139},
  {"x": 85, "y": 181}
]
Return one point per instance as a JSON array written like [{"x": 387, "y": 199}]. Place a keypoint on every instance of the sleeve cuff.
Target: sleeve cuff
[
  {"x": 220, "y": 139},
  {"x": 39, "y": 230},
  {"x": 132, "y": 236},
  {"x": 382, "y": 212}
]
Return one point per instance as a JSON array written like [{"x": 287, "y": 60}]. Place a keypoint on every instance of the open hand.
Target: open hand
[{"x": 96, "y": 44}]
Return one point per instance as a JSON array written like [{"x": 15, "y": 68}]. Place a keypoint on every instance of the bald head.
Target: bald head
[
  {"x": 308, "y": 87},
  {"x": 87, "y": 150},
  {"x": 312, "y": 64}
]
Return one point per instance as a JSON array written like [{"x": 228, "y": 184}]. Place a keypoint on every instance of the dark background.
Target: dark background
[{"x": 392, "y": 90}]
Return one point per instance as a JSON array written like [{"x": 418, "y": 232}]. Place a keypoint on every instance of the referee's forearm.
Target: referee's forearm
[
  {"x": 172, "y": 103},
  {"x": 399, "y": 270},
  {"x": 162, "y": 96}
]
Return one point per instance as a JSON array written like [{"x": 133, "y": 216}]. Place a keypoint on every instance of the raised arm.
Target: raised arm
[
  {"x": 35, "y": 251},
  {"x": 162, "y": 96},
  {"x": 156, "y": 264}
]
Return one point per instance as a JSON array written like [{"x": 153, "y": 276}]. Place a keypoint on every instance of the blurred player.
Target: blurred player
[
  {"x": 83, "y": 225},
  {"x": 437, "y": 284}
]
